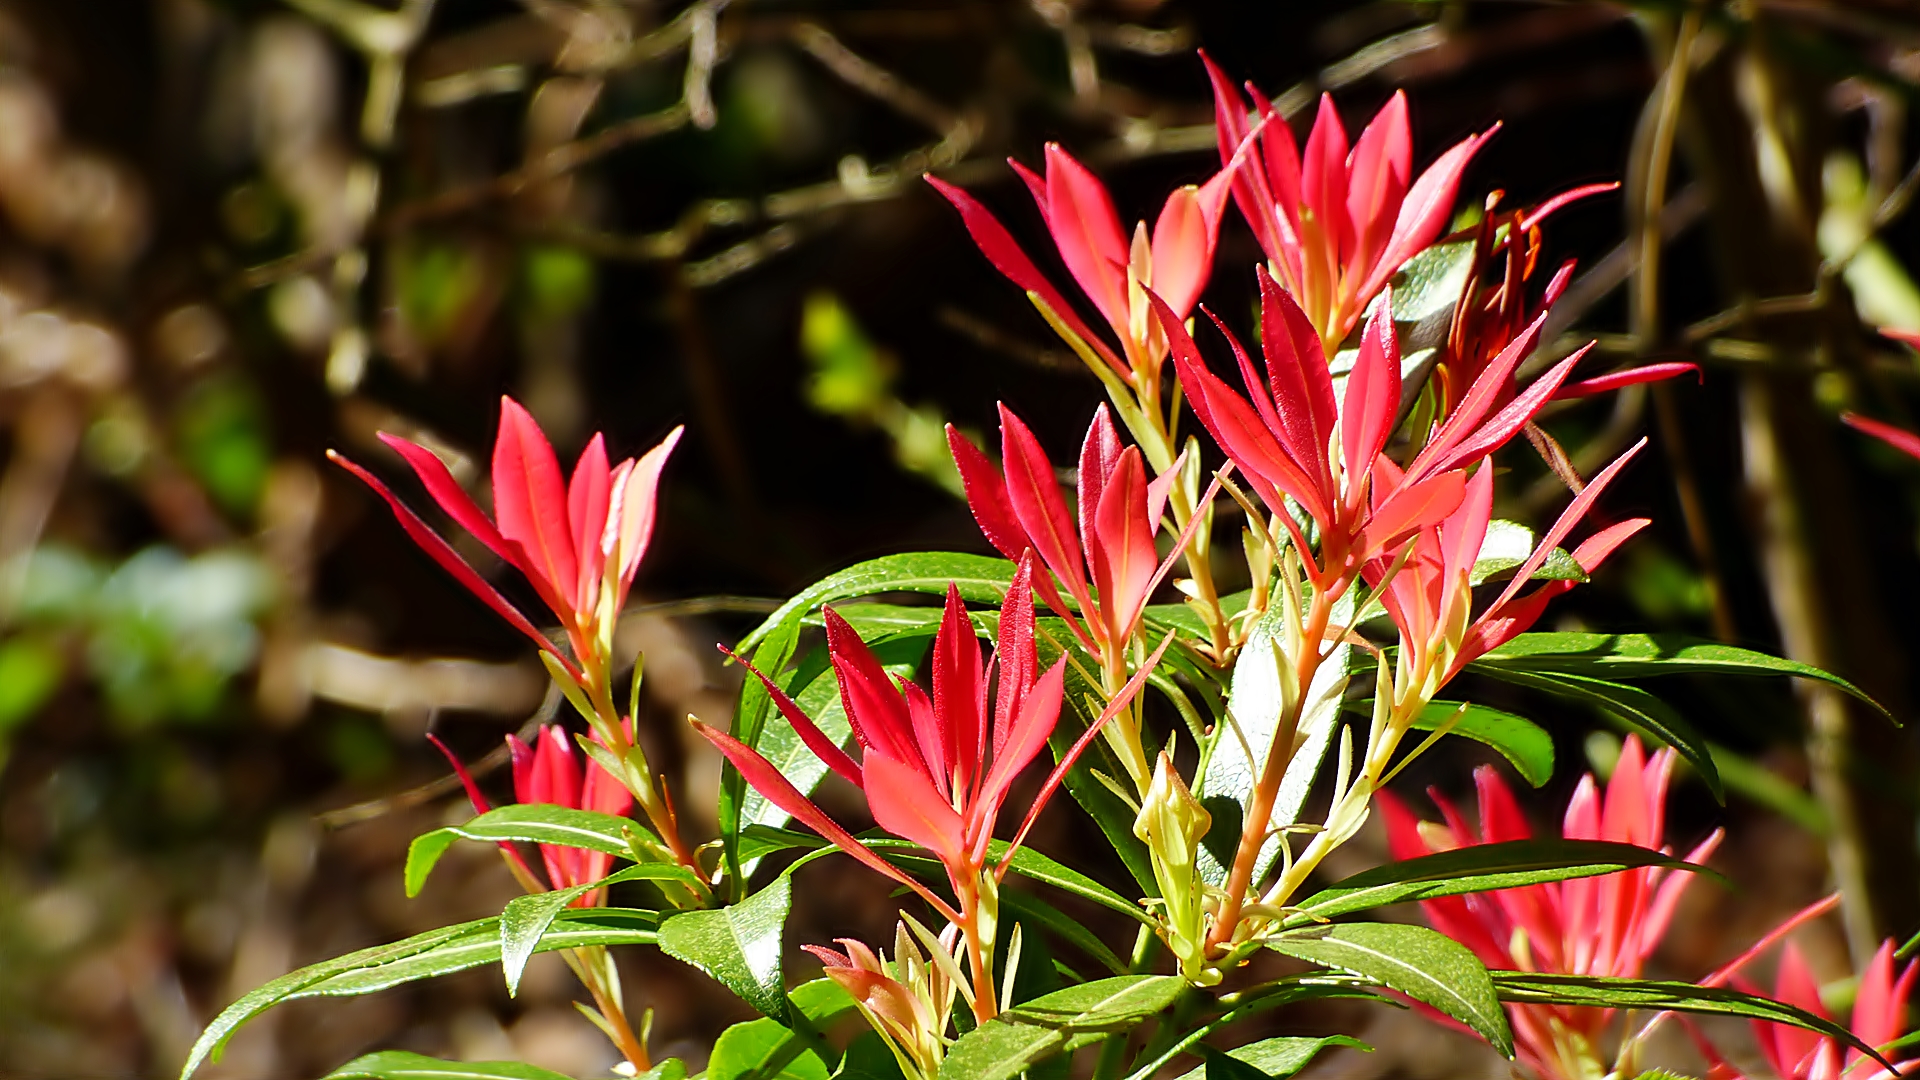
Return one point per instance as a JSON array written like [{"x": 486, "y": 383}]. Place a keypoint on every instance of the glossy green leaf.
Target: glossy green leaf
[
  {"x": 401, "y": 1065},
  {"x": 1005, "y": 1046},
  {"x": 1599, "y": 991},
  {"x": 1508, "y": 544},
  {"x": 757, "y": 841},
  {"x": 1426, "y": 966},
  {"x": 1628, "y": 704},
  {"x": 738, "y": 945},
  {"x": 1029, "y": 864},
  {"x": 982, "y": 580},
  {"x": 763, "y": 1049},
  {"x": 1271, "y": 1059},
  {"x": 1478, "y": 868},
  {"x": 573, "y": 929},
  {"x": 1639, "y": 656},
  {"x": 1527, "y": 746},
  {"x": 750, "y": 714},
  {"x": 436, "y": 952},
  {"x": 1254, "y": 703},
  {"x": 1035, "y": 912},
  {"x": 535, "y": 823},
  {"x": 526, "y": 918}
]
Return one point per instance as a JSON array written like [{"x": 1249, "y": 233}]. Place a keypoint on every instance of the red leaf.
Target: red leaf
[
  {"x": 1424, "y": 212},
  {"x": 907, "y": 804},
  {"x": 530, "y": 501},
  {"x": 875, "y": 710},
  {"x": 1372, "y": 400},
  {"x": 825, "y": 749},
  {"x": 1634, "y": 376},
  {"x": 431, "y": 543},
  {"x": 1087, "y": 230},
  {"x": 1099, "y": 453},
  {"x": 440, "y": 484},
  {"x": 1298, "y": 376},
  {"x": 1034, "y": 494},
  {"x": 999, "y": 247},
  {"x": 959, "y": 694},
  {"x": 1121, "y": 550},
  {"x": 767, "y": 780},
  {"x": 1904, "y": 441},
  {"x": 1378, "y": 171},
  {"x": 588, "y": 493}
]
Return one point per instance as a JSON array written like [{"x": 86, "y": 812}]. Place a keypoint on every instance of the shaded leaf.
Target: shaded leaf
[
  {"x": 1639, "y": 656},
  {"x": 1478, "y": 868},
  {"x": 1598, "y": 991},
  {"x": 1629, "y": 704}
]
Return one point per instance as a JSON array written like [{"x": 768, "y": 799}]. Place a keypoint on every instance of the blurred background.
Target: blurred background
[{"x": 235, "y": 233}]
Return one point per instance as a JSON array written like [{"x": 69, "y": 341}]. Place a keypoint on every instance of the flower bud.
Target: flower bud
[{"x": 1172, "y": 822}]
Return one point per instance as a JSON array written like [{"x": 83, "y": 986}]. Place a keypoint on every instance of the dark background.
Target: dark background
[{"x": 212, "y": 643}]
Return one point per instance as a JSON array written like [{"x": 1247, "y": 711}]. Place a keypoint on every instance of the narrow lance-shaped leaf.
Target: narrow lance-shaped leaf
[
  {"x": 982, "y": 580},
  {"x": 1639, "y": 656},
  {"x": 534, "y": 823},
  {"x": 1478, "y": 868},
  {"x": 1629, "y": 704},
  {"x": 1601, "y": 991},
  {"x": 402, "y": 1065}
]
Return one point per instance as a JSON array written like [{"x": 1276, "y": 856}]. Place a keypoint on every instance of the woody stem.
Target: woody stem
[
  {"x": 611, "y": 1010},
  {"x": 1253, "y": 831}
]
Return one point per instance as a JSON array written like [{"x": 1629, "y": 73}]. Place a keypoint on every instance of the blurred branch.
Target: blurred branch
[
  {"x": 872, "y": 79},
  {"x": 444, "y": 785}
]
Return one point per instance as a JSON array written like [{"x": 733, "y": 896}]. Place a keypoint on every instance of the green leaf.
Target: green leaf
[
  {"x": 1005, "y": 1046},
  {"x": 435, "y": 952},
  {"x": 1254, "y": 703},
  {"x": 738, "y": 945},
  {"x": 1630, "y": 705},
  {"x": 574, "y": 929},
  {"x": 757, "y": 841},
  {"x": 1478, "y": 868},
  {"x": 1509, "y": 544},
  {"x": 982, "y": 580},
  {"x": 868, "y": 1058},
  {"x": 1270, "y": 1059},
  {"x": 1527, "y": 746},
  {"x": 1029, "y": 864},
  {"x": 1424, "y": 965},
  {"x": 401, "y": 1065},
  {"x": 749, "y": 720},
  {"x": 871, "y": 620},
  {"x": 1429, "y": 285},
  {"x": 526, "y": 918},
  {"x": 1607, "y": 992},
  {"x": 535, "y": 823},
  {"x": 763, "y": 1049},
  {"x": 1037, "y": 913},
  {"x": 1640, "y": 656},
  {"x": 1181, "y": 616}
]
